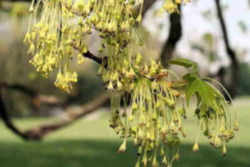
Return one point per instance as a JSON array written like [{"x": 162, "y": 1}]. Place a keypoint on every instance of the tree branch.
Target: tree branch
[
  {"x": 21, "y": 88},
  {"x": 39, "y": 132},
  {"x": 7, "y": 121},
  {"x": 175, "y": 34},
  {"x": 232, "y": 87},
  {"x": 91, "y": 56},
  {"x": 37, "y": 99},
  {"x": 69, "y": 117}
]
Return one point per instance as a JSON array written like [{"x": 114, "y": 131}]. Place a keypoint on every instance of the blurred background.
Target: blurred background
[{"x": 43, "y": 126}]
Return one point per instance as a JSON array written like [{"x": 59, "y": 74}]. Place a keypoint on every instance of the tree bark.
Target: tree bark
[{"x": 175, "y": 34}]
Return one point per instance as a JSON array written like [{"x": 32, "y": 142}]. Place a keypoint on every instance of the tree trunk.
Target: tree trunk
[{"x": 175, "y": 34}]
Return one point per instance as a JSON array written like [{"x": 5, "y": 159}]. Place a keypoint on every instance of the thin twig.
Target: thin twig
[{"x": 91, "y": 56}]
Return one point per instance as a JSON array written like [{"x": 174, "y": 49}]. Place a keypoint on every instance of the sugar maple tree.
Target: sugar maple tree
[{"x": 154, "y": 98}]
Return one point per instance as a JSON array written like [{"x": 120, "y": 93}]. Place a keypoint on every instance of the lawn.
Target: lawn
[{"x": 91, "y": 143}]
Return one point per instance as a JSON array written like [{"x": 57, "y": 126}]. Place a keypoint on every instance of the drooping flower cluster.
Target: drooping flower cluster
[
  {"x": 152, "y": 121},
  {"x": 153, "y": 100},
  {"x": 58, "y": 36},
  {"x": 154, "y": 111}
]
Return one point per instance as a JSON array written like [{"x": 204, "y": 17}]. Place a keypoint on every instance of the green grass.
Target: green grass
[{"x": 91, "y": 143}]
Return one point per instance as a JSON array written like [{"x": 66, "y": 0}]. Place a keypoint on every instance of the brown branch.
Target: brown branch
[
  {"x": 70, "y": 117},
  {"x": 39, "y": 132},
  {"x": 4, "y": 114},
  {"x": 37, "y": 99},
  {"x": 91, "y": 56},
  {"x": 7, "y": 121},
  {"x": 21, "y": 88},
  {"x": 175, "y": 34},
  {"x": 232, "y": 87}
]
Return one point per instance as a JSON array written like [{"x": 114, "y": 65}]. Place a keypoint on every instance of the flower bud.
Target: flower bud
[
  {"x": 123, "y": 146},
  {"x": 196, "y": 147}
]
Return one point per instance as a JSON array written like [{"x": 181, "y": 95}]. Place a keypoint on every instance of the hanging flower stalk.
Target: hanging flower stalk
[
  {"x": 154, "y": 116},
  {"x": 154, "y": 101}
]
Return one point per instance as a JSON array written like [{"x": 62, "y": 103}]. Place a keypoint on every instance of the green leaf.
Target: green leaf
[
  {"x": 185, "y": 63},
  {"x": 207, "y": 94}
]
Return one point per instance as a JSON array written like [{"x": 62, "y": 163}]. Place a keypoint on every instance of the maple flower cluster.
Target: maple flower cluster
[
  {"x": 154, "y": 100},
  {"x": 59, "y": 29}
]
